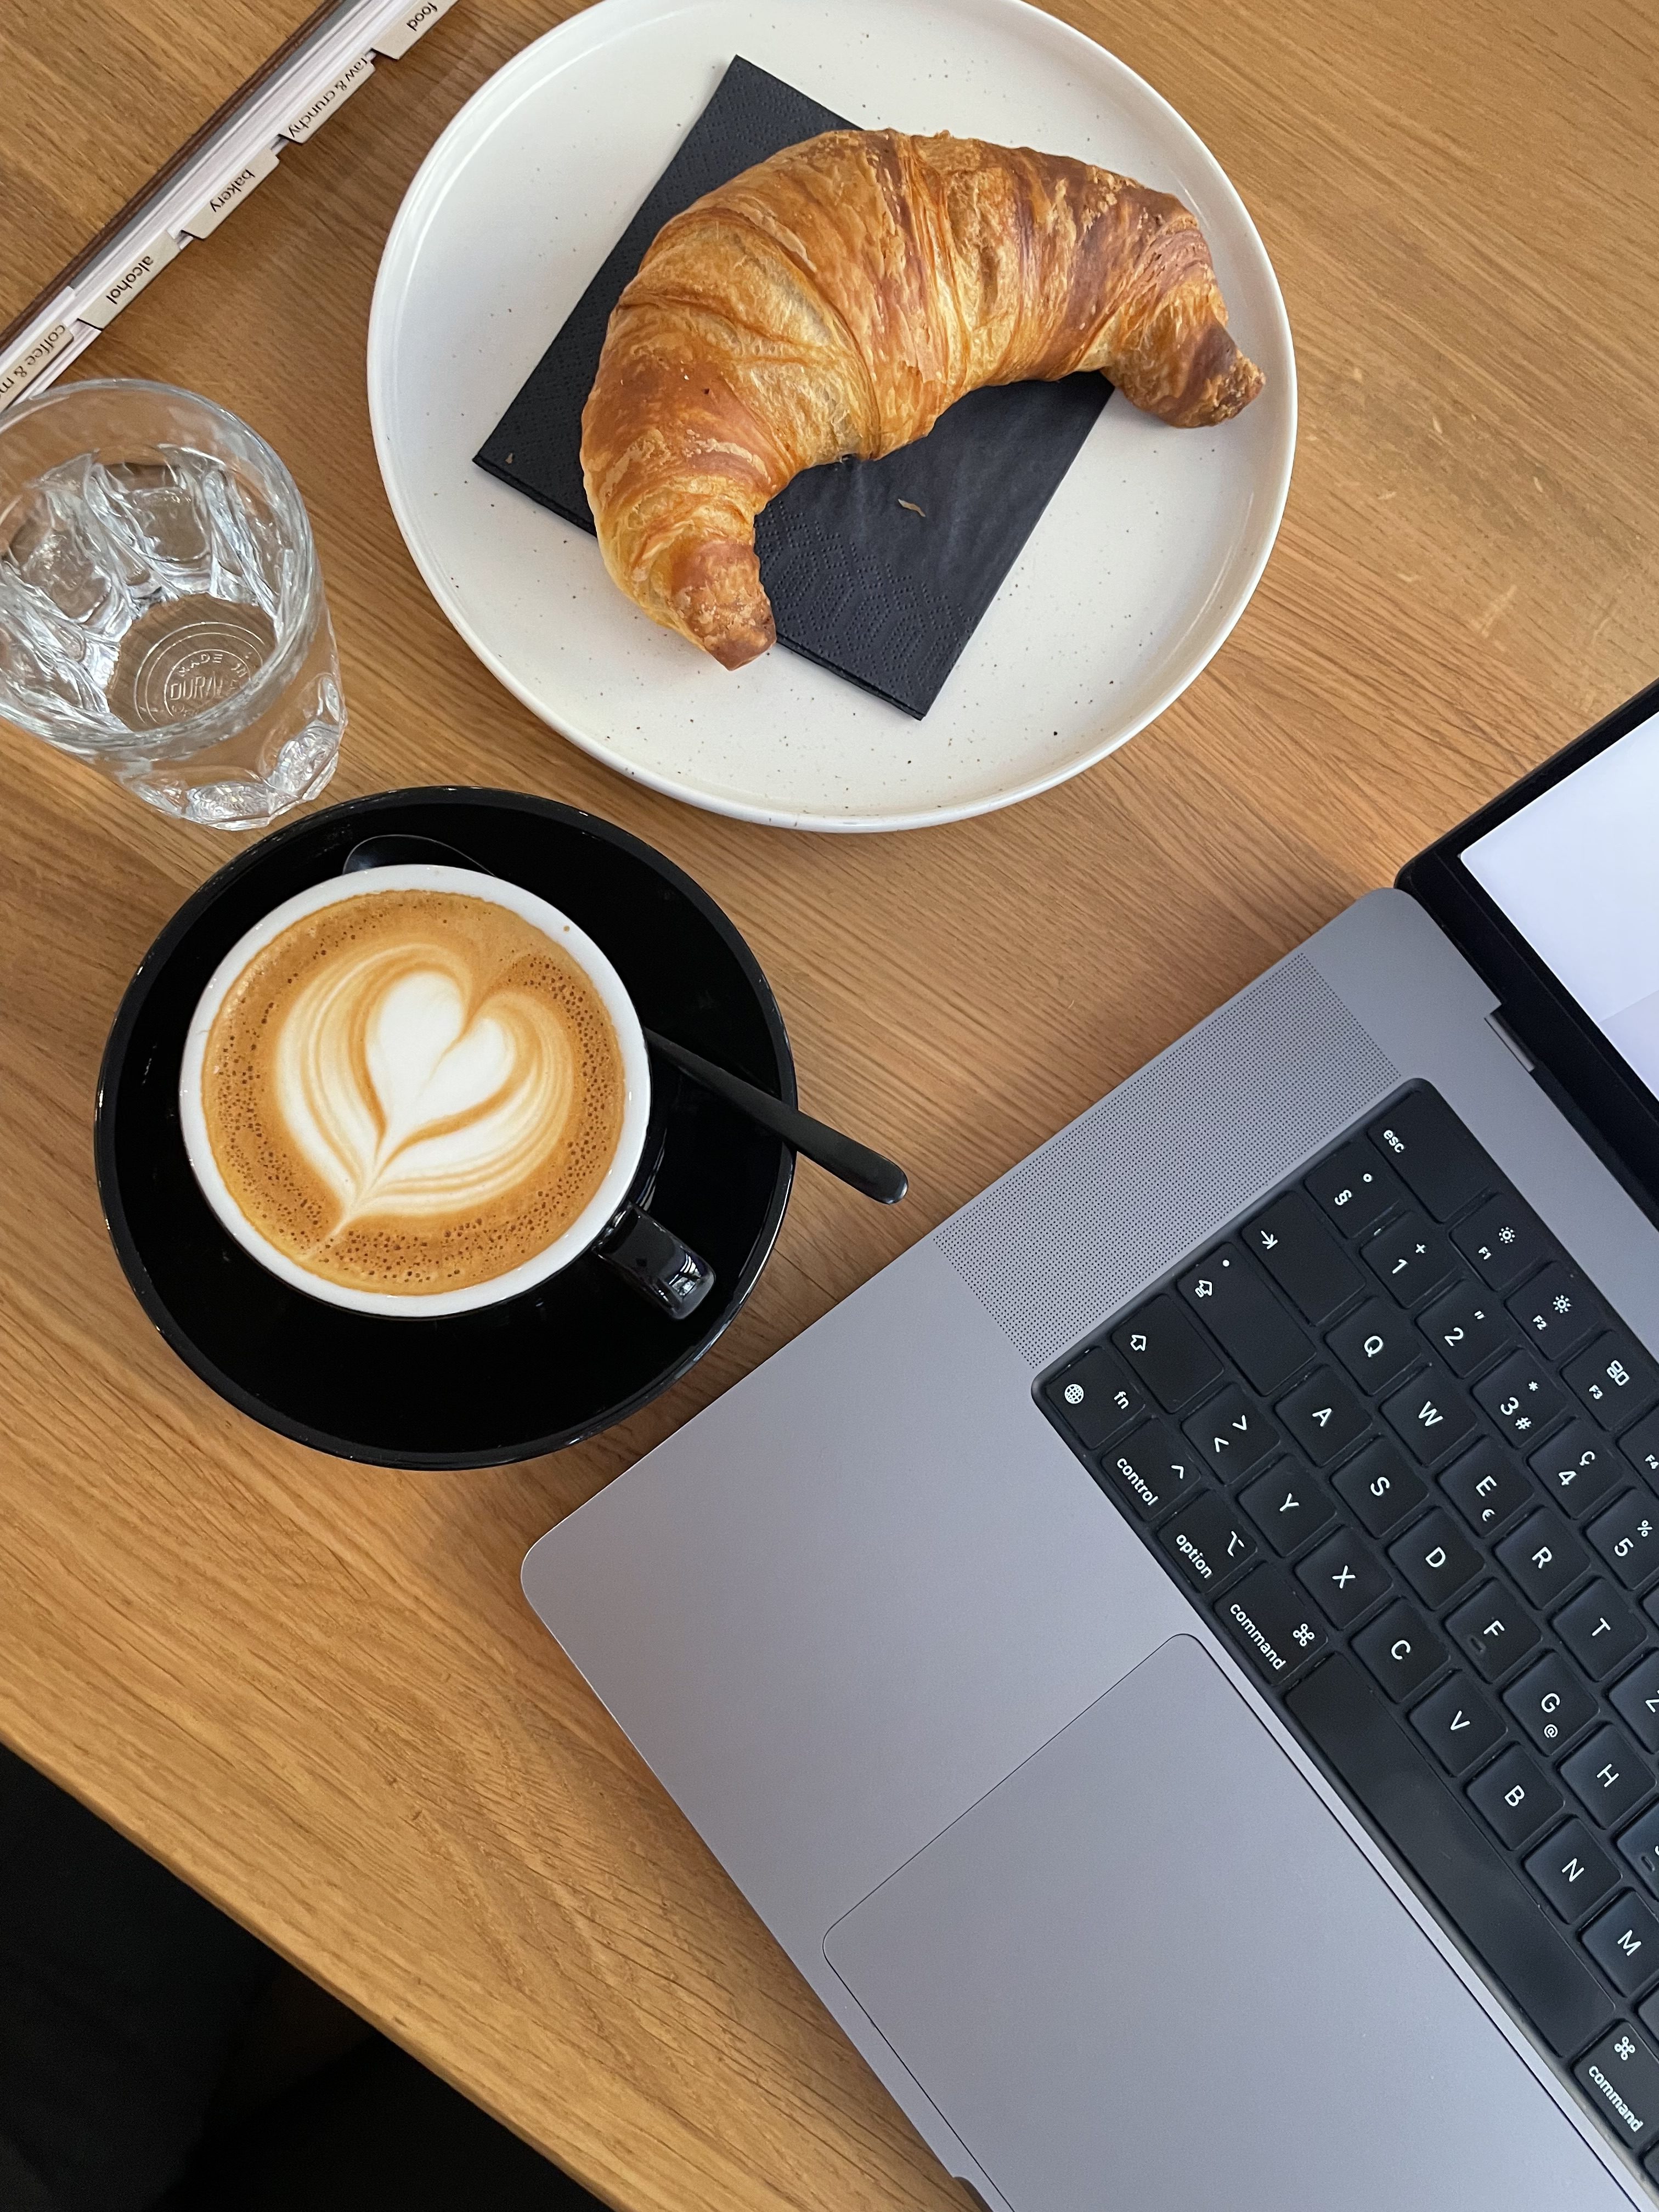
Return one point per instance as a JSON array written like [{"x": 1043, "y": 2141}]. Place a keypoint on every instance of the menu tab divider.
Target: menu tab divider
[{"x": 331, "y": 55}]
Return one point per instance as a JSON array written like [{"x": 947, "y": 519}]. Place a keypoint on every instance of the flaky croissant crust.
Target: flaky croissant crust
[{"x": 835, "y": 301}]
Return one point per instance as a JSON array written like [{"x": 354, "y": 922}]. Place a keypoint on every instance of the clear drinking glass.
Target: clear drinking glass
[{"x": 162, "y": 610}]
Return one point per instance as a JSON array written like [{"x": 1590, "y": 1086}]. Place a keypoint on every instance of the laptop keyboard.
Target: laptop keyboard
[{"x": 1406, "y": 1458}]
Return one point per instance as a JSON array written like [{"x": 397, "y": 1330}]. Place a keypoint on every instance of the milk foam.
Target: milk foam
[
  {"x": 408, "y": 1102},
  {"x": 412, "y": 1091}
]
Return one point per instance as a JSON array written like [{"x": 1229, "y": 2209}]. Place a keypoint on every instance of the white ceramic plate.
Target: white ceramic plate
[{"x": 1141, "y": 565}]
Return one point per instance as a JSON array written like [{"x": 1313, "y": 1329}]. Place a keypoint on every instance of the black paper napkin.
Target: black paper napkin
[{"x": 880, "y": 570}]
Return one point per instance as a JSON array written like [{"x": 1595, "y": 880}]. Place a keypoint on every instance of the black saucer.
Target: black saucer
[{"x": 536, "y": 1372}]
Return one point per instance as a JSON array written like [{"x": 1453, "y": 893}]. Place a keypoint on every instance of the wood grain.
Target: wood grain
[
  {"x": 315, "y": 1689},
  {"x": 92, "y": 100}
]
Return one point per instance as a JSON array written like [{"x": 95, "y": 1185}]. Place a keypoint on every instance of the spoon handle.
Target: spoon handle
[
  {"x": 870, "y": 1172},
  {"x": 866, "y": 1171}
]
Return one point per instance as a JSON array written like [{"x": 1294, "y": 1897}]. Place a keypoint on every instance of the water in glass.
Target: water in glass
[{"x": 161, "y": 616}]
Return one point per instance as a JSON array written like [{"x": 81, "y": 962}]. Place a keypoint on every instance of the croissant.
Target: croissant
[{"x": 835, "y": 301}]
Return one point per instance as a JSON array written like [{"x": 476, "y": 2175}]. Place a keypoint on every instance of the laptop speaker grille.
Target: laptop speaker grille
[{"x": 1174, "y": 1154}]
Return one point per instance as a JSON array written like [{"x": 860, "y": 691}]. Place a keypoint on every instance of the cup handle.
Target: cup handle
[{"x": 655, "y": 1263}]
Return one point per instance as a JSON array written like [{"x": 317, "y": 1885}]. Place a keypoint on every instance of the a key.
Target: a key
[
  {"x": 1354, "y": 1188},
  {"x": 1636, "y": 1701},
  {"x": 1558, "y": 1311},
  {"x": 1209, "y": 1541},
  {"x": 1627, "y": 1537},
  {"x": 1620, "y": 2077},
  {"x": 1432, "y": 1416},
  {"x": 1614, "y": 1379},
  {"x": 1572, "y": 1870},
  {"x": 1410, "y": 1260},
  {"x": 1639, "y": 1846},
  {"x": 1640, "y": 1446},
  {"x": 1287, "y": 1505},
  {"x": 1401, "y": 1649},
  {"x": 1457, "y": 1724},
  {"x": 1466, "y": 1327},
  {"x": 1607, "y": 1777},
  {"x": 1580, "y": 1468},
  {"x": 1232, "y": 1434},
  {"x": 1624, "y": 1941},
  {"x": 1274, "y": 1623},
  {"x": 1543, "y": 1557},
  {"x": 1437, "y": 1558},
  {"x": 1380, "y": 1487},
  {"x": 1231, "y": 1298},
  {"x": 1519, "y": 1397},
  {"x": 1600, "y": 1629},
  {"x": 1344, "y": 1578},
  {"x": 1151, "y": 1469},
  {"x": 1323, "y": 1416},
  {"x": 1486, "y": 1901},
  {"x": 1494, "y": 1629},
  {"x": 1428, "y": 1147},
  {"x": 1551, "y": 1703},
  {"x": 1377, "y": 1345},
  {"x": 1515, "y": 1798},
  {"x": 1095, "y": 1397},
  {"x": 1303, "y": 1258},
  {"x": 1505, "y": 1241},
  {"x": 1487, "y": 1488},
  {"x": 1168, "y": 1354}
]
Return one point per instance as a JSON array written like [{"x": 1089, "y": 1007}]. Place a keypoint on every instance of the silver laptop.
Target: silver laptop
[{"x": 1173, "y": 1659}]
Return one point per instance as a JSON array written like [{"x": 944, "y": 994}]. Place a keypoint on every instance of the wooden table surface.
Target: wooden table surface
[
  {"x": 95, "y": 98},
  {"x": 313, "y": 1688}
]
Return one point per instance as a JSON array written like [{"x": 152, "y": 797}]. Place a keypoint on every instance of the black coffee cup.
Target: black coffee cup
[{"x": 565, "y": 1358}]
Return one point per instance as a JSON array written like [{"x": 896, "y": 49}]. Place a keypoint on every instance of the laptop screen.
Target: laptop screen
[{"x": 1576, "y": 871}]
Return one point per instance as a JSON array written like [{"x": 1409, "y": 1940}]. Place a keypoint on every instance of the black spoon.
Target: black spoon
[{"x": 868, "y": 1171}]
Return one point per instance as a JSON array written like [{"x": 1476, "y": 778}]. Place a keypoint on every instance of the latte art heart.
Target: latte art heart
[
  {"x": 406, "y": 1100},
  {"x": 412, "y": 1091}
]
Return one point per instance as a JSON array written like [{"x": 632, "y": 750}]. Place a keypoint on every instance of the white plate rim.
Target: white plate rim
[{"x": 603, "y": 22}]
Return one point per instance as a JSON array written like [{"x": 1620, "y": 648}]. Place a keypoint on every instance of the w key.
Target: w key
[{"x": 1429, "y": 1415}]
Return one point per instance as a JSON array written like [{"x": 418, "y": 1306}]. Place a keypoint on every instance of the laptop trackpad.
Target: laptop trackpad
[{"x": 1149, "y": 1970}]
